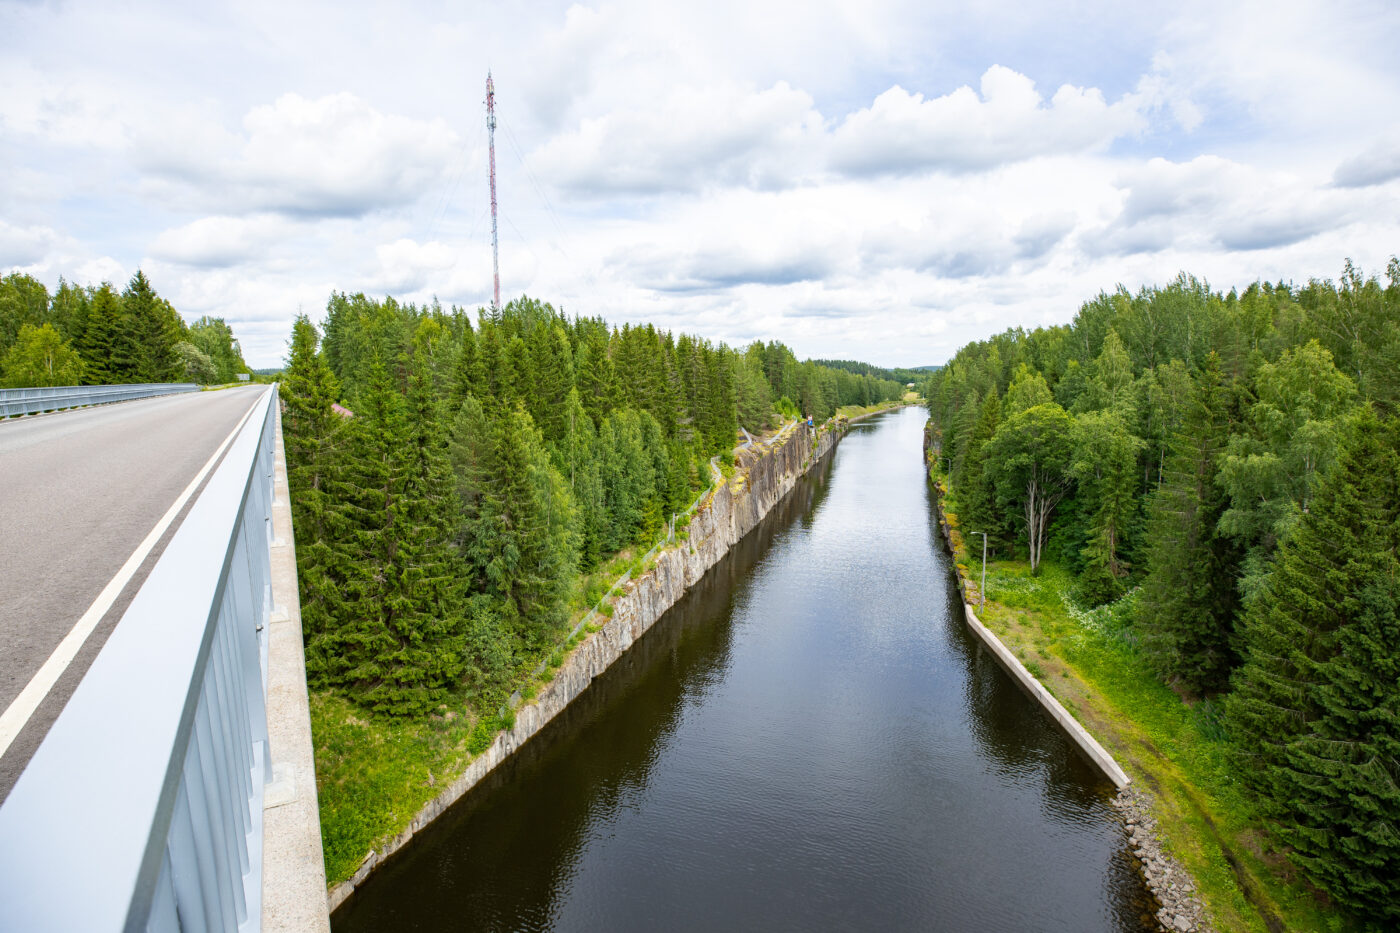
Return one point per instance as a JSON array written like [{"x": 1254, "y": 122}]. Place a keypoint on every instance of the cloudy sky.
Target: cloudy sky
[{"x": 876, "y": 180}]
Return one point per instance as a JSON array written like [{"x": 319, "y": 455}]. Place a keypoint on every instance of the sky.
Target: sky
[{"x": 882, "y": 180}]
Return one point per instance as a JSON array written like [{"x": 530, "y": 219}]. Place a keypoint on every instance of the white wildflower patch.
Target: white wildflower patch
[{"x": 1109, "y": 621}]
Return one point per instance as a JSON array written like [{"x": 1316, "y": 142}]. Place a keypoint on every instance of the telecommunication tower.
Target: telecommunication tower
[{"x": 491, "y": 147}]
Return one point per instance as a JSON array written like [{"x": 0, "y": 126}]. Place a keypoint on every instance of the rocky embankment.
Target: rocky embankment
[
  {"x": 1181, "y": 911},
  {"x": 765, "y": 473}
]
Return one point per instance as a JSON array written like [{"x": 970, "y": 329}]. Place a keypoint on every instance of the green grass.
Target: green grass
[
  {"x": 1176, "y": 750},
  {"x": 374, "y": 773}
]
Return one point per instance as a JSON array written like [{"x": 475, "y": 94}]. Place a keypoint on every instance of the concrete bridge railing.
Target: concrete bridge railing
[
  {"x": 54, "y": 398},
  {"x": 142, "y": 809}
]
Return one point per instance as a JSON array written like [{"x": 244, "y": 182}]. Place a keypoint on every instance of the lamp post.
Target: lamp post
[{"x": 984, "y": 568}]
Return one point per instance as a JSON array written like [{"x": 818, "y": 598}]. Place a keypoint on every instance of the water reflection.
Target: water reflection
[{"x": 809, "y": 740}]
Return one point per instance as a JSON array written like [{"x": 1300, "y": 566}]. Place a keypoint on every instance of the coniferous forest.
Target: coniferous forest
[
  {"x": 451, "y": 478},
  {"x": 1230, "y": 463},
  {"x": 100, "y": 336}
]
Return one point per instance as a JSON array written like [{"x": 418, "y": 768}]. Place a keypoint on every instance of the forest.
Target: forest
[
  {"x": 99, "y": 336},
  {"x": 1227, "y": 466},
  {"x": 451, "y": 479}
]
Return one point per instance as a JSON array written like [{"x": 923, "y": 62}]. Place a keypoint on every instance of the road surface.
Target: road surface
[{"x": 79, "y": 493}]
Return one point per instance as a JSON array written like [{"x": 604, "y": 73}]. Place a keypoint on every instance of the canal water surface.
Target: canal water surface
[{"x": 809, "y": 740}]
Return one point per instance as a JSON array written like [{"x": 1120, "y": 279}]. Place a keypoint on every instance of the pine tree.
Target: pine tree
[
  {"x": 490, "y": 361},
  {"x": 1316, "y": 708},
  {"x": 574, "y": 458},
  {"x": 1189, "y": 601},
  {"x": 964, "y": 426}
]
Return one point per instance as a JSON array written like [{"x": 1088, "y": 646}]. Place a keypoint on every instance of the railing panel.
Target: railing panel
[
  {"x": 33, "y": 401},
  {"x": 142, "y": 809}
]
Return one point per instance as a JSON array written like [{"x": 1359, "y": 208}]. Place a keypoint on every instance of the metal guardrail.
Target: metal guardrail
[
  {"x": 33, "y": 401},
  {"x": 142, "y": 809}
]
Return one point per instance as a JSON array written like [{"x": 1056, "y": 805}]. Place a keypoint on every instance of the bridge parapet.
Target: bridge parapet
[
  {"x": 54, "y": 398},
  {"x": 142, "y": 809}
]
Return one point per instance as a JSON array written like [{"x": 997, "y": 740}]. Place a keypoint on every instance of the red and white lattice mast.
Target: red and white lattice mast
[{"x": 491, "y": 147}]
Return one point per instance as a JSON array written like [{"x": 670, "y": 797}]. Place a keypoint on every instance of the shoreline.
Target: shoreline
[
  {"x": 768, "y": 472},
  {"x": 1166, "y": 879}
]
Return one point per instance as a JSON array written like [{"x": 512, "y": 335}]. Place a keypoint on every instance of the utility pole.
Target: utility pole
[
  {"x": 491, "y": 147},
  {"x": 983, "y": 607}
]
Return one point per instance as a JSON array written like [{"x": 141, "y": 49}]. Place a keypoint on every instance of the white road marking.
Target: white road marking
[{"x": 17, "y": 714}]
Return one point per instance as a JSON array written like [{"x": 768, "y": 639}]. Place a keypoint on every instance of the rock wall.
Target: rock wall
[{"x": 764, "y": 476}]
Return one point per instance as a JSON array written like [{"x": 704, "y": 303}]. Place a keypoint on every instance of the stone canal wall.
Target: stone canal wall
[{"x": 765, "y": 473}]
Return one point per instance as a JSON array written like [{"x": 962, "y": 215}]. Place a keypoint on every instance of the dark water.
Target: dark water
[{"x": 810, "y": 740}]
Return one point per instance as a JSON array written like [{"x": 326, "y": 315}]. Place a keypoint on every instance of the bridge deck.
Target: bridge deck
[{"x": 79, "y": 493}]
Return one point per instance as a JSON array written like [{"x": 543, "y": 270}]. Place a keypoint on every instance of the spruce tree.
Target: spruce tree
[
  {"x": 313, "y": 435},
  {"x": 522, "y": 537},
  {"x": 974, "y": 489},
  {"x": 1315, "y": 713},
  {"x": 964, "y": 426},
  {"x": 1189, "y": 601},
  {"x": 153, "y": 334},
  {"x": 395, "y": 644},
  {"x": 1105, "y": 466},
  {"x": 103, "y": 340},
  {"x": 594, "y": 373},
  {"x": 464, "y": 374},
  {"x": 69, "y": 311},
  {"x": 551, "y": 379}
]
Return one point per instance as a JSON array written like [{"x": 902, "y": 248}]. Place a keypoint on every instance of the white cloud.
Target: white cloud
[
  {"x": 25, "y": 246},
  {"x": 1210, "y": 202},
  {"x": 963, "y": 131},
  {"x": 723, "y": 135},
  {"x": 1377, "y": 165},
  {"x": 330, "y": 156},
  {"x": 102, "y": 269},
  {"x": 875, "y": 184},
  {"x": 221, "y": 241}
]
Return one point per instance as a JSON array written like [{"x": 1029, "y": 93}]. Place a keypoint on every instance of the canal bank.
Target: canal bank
[
  {"x": 810, "y": 738},
  {"x": 765, "y": 473},
  {"x": 1181, "y": 909}
]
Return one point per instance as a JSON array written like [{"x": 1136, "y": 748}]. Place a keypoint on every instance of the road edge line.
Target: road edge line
[{"x": 23, "y": 707}]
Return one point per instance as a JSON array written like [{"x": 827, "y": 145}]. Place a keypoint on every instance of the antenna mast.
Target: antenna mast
[{"x": 491, "y": 135}]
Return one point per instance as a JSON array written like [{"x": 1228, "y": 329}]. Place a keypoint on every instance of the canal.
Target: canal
[{"x": 809, "y": 740}]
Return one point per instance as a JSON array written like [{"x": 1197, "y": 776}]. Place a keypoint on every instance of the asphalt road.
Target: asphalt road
[{"x": 79, "y": 492}]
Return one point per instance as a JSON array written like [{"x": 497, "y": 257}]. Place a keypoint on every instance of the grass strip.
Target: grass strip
[{"x": 1089, "y": 661}]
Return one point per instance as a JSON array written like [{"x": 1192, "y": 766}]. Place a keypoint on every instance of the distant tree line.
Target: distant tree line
[
  {"x": 450, "y": 479},
  {"x": 1234, "y": 456},
  {"x": 902, "y": 375},
  {"x": 99, "y": 336}
]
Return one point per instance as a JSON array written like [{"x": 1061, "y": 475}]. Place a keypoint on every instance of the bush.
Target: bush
[{"x": 480, "y": 739}]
